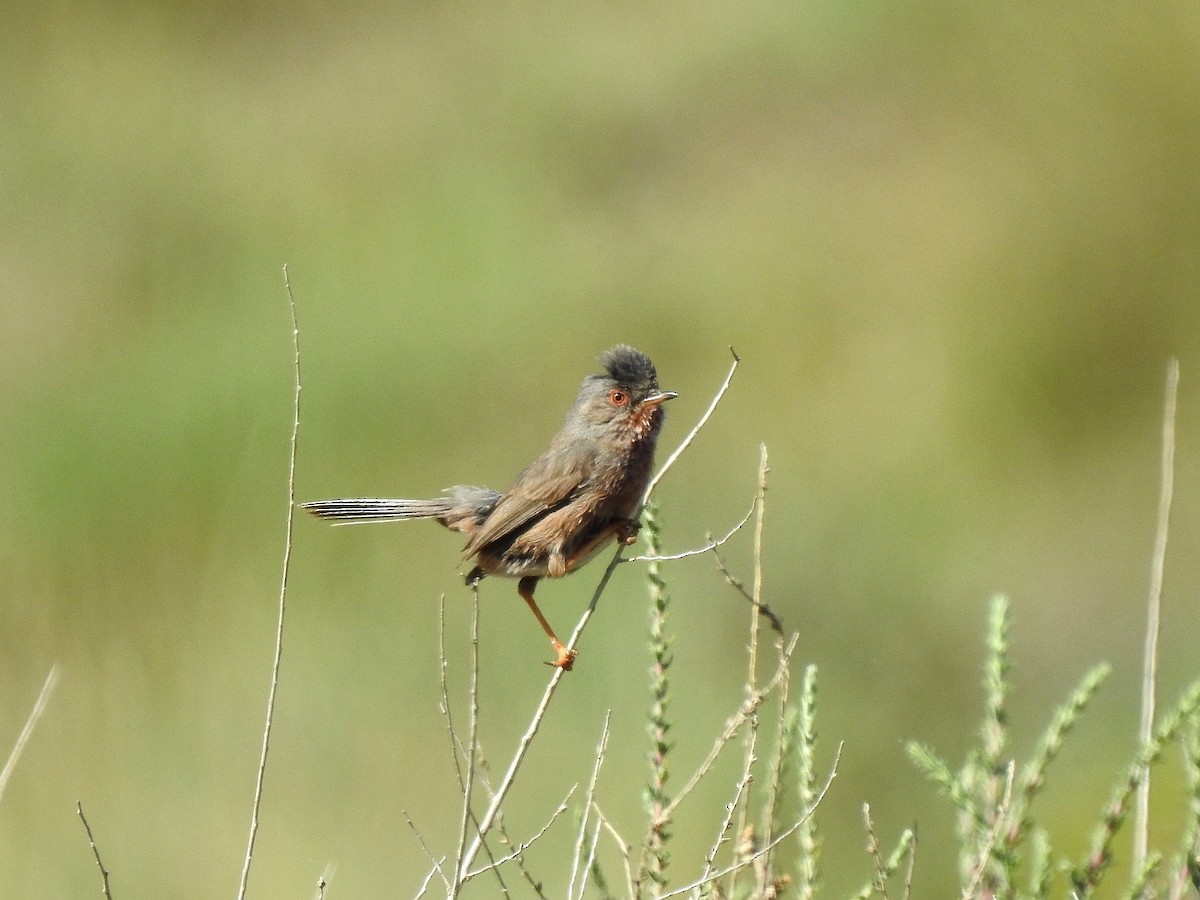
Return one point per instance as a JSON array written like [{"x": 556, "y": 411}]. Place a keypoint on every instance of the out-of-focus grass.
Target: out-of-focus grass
[{"x": 954, "y": 245}]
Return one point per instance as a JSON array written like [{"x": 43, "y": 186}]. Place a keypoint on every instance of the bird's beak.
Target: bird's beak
[{"x": 660, "y": 397}]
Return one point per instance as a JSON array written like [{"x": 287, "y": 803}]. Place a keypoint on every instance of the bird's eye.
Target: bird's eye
[{"x": 618, "y": 397}]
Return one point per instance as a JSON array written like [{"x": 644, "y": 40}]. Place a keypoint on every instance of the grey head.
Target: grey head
[{"x": 625, "y": 398}]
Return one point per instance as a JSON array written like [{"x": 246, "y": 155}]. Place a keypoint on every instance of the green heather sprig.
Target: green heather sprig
[
  {"x": 808, "y": 859},
  {"x": 655, "y": 860},
  {"x": 993, "y": 821},
  {"x": 1086, "y": 876},
  {"x": 906, "y": 847}
]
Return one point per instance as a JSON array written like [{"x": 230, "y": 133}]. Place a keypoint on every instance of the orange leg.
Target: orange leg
[{"x": 566, "y": 658}]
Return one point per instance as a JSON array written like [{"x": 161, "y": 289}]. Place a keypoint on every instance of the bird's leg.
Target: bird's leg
[{"x": 566, "y": 658}]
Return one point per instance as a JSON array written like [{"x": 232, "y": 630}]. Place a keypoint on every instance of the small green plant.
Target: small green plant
[{"x": 1002, "y": 851}]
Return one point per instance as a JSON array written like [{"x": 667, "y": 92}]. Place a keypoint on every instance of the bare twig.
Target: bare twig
[
  {"x": 456, "y": 747},
  {"x": 739, "y": 792},
  {"x": 437, "y": 864},
  {"x": 437, "y": 867},
  {"x": 710, "y": 543},
  {"x": 588, "y": 801},
  {"x": 912, "y": 863},
  {"x": 737, "y": 585},
  {"x": 524, "y": 845},
  {"x": 506, "y": 783},
  {"x": 751, "y": 738},
  {"x": 691, "y": 436},
  {"x": 1141, "y": 828},
  {"x": 468, "y": 788},
  {"x": 95, "y": 851},
  {"x": 39, "y": 707},
  {"x": 770, "y": 812},
  {"x": 784, "y": 835},
  {"x": 323, "y": 879},
  {"x": 749, "y": 706},
  {"x": 589, "y": 864},
  {"x": 875, "y": 853},
  {"x": 283, "y": 585},
  {"x": 623, "y": 846},
  {"x": 763, "y": 470}
]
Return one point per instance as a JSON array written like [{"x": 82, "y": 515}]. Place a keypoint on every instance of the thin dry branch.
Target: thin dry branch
[
  {"x": 95, "y": 851},
  {"x": 874, "y": 852},
  {"x": 539, "y": 714},
  {"x": 737, "y": 584},
  {"x": 39, "y": 707},
  {"x": 770, "y": 810},
  {"x": 710, "y": 543},
  {"x": 749, "y": 706},
  {"x": 588, "y": 800},
  {"x": 751, "y": 737},
  {"x": 623, "y": 846},
  {"x": 457, "y": 749},
  {"x": 767, "y": 848},
  {"x": 437, "y": 863},
  {"x": 731, "y": 808},
  {"x": 1141, "y": 828},
  {"x": 323, "y": 879},
  {"x": 524, "y": 845},
  {"x": 283, "y": 586},
  {"x": 691, "y": 436},
  {"x": 468, "y": 789}
]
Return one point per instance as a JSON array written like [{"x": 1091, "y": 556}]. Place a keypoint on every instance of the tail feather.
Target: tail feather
[
  {"x": 462, "y": 508},
  {"x": 374, "y": 509}
]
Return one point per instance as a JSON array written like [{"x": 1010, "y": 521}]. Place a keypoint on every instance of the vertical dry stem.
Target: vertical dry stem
[
  {"x": 283, "y": 585},
  {"x": 1154, "y": 607}
]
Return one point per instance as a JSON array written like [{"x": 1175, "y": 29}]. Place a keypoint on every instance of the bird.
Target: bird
[{"x": 585, "y": 491}]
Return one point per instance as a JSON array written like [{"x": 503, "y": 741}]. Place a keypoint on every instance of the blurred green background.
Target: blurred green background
[{"x": 954, "y": 243}]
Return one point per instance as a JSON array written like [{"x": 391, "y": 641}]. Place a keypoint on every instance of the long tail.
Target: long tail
[
  {"x": 374, "y": 509},
  {"x": 462, "y": 508}
]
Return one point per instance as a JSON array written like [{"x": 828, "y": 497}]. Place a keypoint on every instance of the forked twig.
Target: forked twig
[
  {"x": 283, "y": 585},
  {"x": 767, "y": 848},
  {"x": 437, "y": 863},
  {"x": 710, "y": 543},
  {"x": 506, "y": 783},
  {"x": 524, "y": 845},
  {"x": 588, "y": 801},
  {"x": 623, "y": 846},
  {"x": 735, "y": 722},
  {"x": 95, "y": 851},
  {"x": 39, "y": 707}
]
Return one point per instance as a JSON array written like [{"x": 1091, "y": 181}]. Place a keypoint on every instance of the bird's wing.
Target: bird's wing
[{"x": 546, "y": 484}]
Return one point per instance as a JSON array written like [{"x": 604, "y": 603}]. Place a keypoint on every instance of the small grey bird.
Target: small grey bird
[{"x": 582, "y": 493}]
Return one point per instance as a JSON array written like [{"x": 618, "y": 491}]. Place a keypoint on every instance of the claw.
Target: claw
[
  {"x": 627, "y": 531},
  {"x": 566, "y": 658}
]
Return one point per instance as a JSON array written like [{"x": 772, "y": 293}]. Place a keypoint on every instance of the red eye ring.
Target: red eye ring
[{"x": 618, "y": 397}]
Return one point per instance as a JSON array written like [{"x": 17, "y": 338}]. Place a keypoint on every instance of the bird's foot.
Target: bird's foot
[
  {"x": 627, "y": 531},
  {"x": 566, "y": 658}
]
